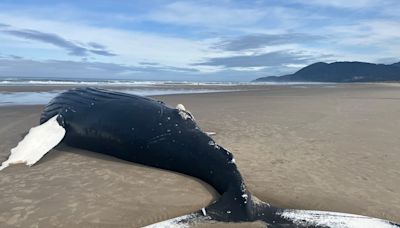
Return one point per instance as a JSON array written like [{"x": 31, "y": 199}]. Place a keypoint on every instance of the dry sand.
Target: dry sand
[{"x": 321, "y": 147}]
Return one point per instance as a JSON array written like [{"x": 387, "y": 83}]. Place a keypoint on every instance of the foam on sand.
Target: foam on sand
[{"x": 36, "y": 144}]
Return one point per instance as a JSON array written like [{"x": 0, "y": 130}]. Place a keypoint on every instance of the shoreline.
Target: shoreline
[{"x": 320, "y": 148}]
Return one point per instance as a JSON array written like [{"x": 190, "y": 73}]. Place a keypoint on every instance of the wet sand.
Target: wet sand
[{"x": 319, "y": 147}]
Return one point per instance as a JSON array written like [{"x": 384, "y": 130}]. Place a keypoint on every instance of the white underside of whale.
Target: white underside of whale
[
  {"x": 40, "y": 140},
  {"x": 333, "y": 219}
]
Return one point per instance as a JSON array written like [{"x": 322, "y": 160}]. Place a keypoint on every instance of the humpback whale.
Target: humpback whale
[{"x": 146, "y": 131}]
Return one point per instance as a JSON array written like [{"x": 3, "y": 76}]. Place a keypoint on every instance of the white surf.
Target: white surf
[{"x": 40, "y": 140}]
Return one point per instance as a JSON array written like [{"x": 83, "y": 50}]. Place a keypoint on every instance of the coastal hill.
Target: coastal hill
[{"x": 340, "y": 72}]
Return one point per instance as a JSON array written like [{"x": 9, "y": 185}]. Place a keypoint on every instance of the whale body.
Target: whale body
[{"x": 146, "y": 131}]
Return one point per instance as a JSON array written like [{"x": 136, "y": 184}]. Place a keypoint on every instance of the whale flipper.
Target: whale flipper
[{"x": 40, "y": 140}]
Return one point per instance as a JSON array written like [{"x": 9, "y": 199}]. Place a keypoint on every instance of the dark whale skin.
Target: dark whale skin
[{"x": 146, "y": 131}]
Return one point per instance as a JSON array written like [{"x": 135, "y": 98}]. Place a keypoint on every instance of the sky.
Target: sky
[{"x": 227, "y": 40}]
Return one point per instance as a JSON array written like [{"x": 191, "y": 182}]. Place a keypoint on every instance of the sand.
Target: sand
[{"x": 333, "y": 148}]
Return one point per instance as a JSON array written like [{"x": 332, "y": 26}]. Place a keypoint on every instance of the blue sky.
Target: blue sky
[{"x": 191, "y": 40}]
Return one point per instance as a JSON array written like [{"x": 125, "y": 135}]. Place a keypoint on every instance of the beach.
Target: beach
[{"x": 320, "y": 147}]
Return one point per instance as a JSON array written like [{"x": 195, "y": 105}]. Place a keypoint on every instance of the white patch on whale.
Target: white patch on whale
[
  {"x": 180, "y": 107},
  {"x": 181, "y": 222},
  {"x": 212, "y": 143},
  {"x": 185, "y": 114},
  {"x": 245, "y": 196},
  {"x": 333, "y": 219},
  {"x": 203, "y": 210},
  {"x": 40, "y": 140}
]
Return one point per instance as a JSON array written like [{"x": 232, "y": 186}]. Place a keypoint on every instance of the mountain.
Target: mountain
[
  {"x": 396, "y": 64},
  {"x": 340, "y": 72}
]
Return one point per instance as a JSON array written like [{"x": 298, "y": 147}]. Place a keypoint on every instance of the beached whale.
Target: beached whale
[{"x": 146, "y": 131}]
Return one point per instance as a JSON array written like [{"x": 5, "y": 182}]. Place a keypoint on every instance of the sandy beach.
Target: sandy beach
[{"x": 326, "y": 147}]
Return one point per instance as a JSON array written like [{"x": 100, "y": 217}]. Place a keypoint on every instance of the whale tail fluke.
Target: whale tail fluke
[
  {"x": 294, "y": 219},
  {"x": 257, "y": 210},
  {"x": 261, "y": 214},
  {"x": 39, "y": 140}
]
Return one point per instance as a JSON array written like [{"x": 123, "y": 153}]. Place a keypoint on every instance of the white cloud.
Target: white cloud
[
  {"x": 130, "y": 46},
  {"x": 228, "y": 17},
  {"x": 195, "y": 14},
  {"x": 380, "y": 36},
  {"x": 341, "y": 3}
]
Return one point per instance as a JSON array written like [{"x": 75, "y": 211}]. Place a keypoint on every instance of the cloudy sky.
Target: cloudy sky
[{"x": 191, "y": 40}]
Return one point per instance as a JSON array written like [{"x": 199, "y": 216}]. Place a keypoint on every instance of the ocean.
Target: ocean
[{"x": 27, "y": 92}]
